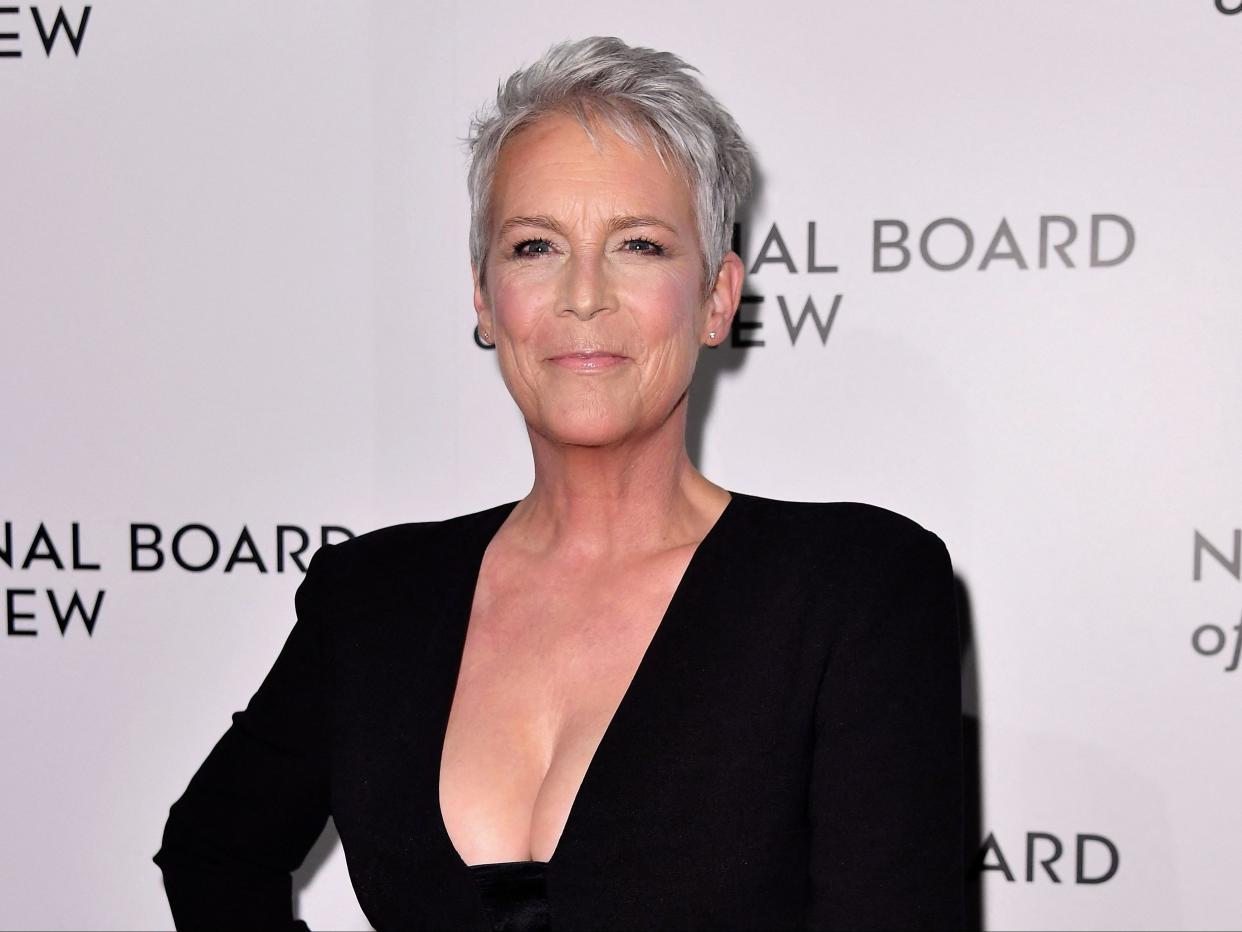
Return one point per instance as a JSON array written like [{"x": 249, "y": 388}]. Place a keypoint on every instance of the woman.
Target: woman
[{"x": 633, "y": 699}]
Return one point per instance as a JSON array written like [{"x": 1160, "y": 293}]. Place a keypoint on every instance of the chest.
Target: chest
[
  {"x": 698, "y": 761},
  {"x": 548, "y": 658}
]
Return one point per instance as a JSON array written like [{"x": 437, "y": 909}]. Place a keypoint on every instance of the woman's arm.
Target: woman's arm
[
  {"x": 886, "y": 785},
  {"x": 260, "y": 800}
]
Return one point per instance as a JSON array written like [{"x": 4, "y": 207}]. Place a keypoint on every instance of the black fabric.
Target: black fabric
[
  {"x": 788, "y": 754},
  {"x": 514, "y": 894}
]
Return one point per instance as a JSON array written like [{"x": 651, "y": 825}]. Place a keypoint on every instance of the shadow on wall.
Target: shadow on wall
[
  {"x": 315, "y": 858},
  {"x": 973, "y": 809}
]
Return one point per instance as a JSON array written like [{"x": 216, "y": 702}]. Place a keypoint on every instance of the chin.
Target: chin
[{"x": 585, "y": 426}]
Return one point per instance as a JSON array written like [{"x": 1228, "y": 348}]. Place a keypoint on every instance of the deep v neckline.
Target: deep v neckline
[{"x": 460, "y": 609}]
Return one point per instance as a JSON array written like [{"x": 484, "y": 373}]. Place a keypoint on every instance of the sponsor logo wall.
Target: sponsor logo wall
[{"x": 992, "y": 284}]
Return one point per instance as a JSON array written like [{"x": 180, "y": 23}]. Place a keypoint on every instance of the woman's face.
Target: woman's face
[{"x": 594, "y": 292}]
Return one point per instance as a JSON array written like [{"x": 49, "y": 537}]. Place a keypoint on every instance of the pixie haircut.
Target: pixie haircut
[{"x": 637, "y": 92}]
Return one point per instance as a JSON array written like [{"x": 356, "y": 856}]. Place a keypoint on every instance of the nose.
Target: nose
[{"x": 585, "y": 289}]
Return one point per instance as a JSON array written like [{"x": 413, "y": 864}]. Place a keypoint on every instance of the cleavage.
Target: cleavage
[{"x": 538, "y": 688}]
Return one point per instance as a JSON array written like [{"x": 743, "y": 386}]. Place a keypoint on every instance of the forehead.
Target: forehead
[{"x": 554, "y": 165}]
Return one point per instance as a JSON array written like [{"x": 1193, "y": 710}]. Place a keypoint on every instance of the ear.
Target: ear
[
  {"x": 481, "y": 307},
  {"x": 723, "y": 300}
]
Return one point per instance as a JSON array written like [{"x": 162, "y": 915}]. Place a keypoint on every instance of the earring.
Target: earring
[
  {"x": 711, "y": 334},
  {"x": 482, "y": 340}
]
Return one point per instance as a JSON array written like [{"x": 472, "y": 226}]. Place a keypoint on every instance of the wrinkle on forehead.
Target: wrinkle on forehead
[
  {"x": 596, "y": 114},
  {"x": 593, "y": 114},
  {"x": 554, "y": 167}
]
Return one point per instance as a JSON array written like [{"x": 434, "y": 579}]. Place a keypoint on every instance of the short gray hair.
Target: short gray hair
[{"x": 633, "y": 90}]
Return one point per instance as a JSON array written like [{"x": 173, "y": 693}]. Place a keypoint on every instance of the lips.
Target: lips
[{"x": 592, "y": 361}]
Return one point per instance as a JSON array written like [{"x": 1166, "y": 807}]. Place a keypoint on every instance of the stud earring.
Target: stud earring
[
  {"x": 711, "y": 334},
  {"x": 482, "y": 340}
]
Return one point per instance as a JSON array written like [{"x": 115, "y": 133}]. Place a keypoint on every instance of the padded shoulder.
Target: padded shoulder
[
  {"x": 412, "y": 546},
  {"x": 378, "y": 579},
  {"x": 857, "y": 525}
]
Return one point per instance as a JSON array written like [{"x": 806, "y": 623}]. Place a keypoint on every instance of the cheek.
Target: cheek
[
  {"x": 518, "y": 304},
  {"x": 673, "y": 297},
  {"x": 666, "y": 308}
]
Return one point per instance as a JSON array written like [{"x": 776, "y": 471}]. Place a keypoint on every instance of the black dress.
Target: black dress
[
  {"x": 514, "y": 895},
  {"x": 788, "y": 754}
]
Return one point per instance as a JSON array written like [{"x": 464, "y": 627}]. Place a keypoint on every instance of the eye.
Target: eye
[
  {"x": 532, "y": 247},
  {"x": 643, "y": 246}
]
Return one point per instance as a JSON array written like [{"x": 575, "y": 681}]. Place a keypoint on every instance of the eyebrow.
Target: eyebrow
[{"x": 615, "y": 225}]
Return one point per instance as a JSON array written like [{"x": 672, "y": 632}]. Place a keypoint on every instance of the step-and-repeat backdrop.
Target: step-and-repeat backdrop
[{"x": 995, "y": 284}]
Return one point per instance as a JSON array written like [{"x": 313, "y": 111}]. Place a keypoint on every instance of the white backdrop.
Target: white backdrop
[{"x": 235, "y": 293}]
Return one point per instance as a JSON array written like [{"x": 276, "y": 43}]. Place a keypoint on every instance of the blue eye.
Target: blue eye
[
  {"x": 532, "y": 247},
  {"x": 645, "y": 246}
]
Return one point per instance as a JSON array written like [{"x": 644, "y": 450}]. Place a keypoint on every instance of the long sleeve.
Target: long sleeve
[
  {"x": 887, "y": 775},
  {"x": 260, "y": 799}
]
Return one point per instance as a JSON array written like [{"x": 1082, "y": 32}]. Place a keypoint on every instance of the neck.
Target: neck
[{"x": 633, "y": 498}]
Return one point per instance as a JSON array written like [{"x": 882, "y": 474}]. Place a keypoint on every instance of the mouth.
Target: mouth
[{"x": 594, "y": 361}]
